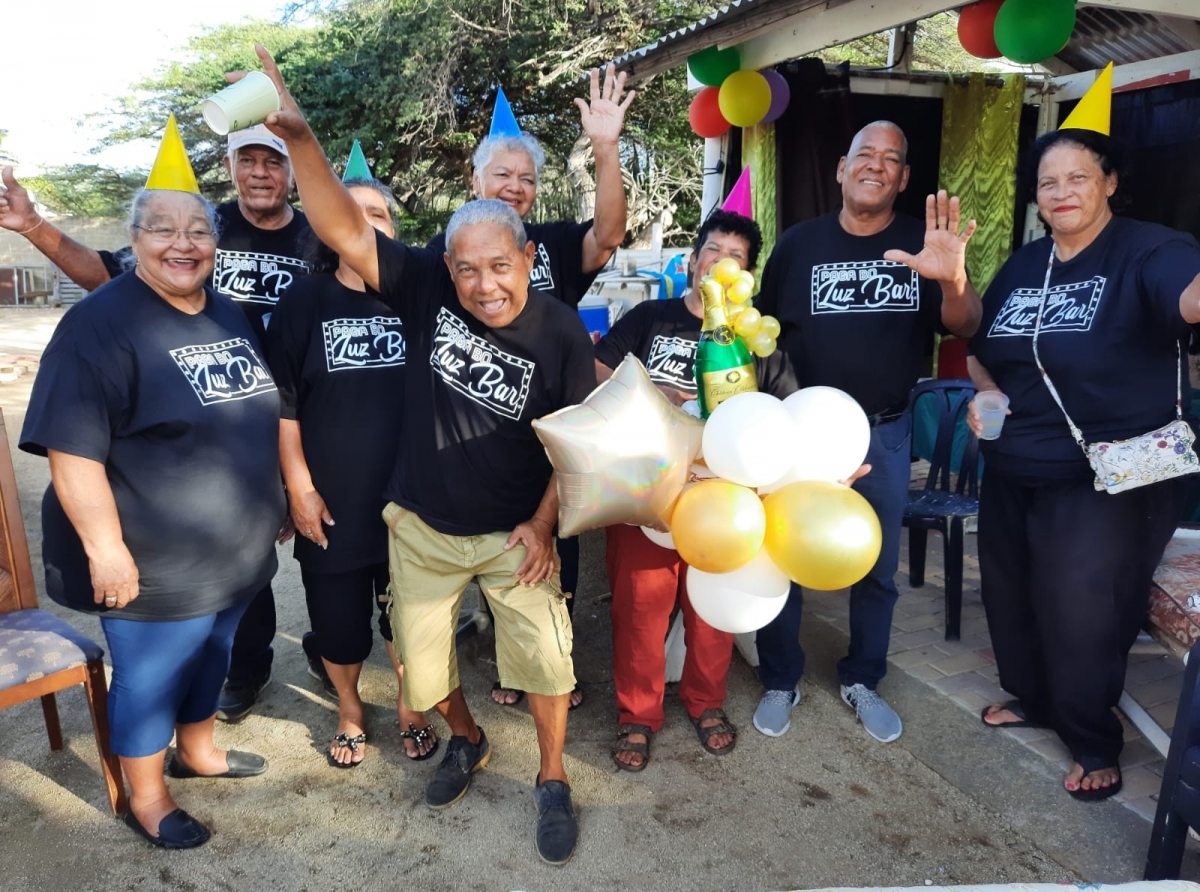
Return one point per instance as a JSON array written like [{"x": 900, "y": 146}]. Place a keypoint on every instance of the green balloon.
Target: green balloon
[
  {"x": 711, "y": 66},
  {"x": 1030, "y": 31}
]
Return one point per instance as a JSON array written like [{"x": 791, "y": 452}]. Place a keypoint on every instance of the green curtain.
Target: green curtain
[
  {"x": 979, "y": 155},
  {"x": 758, "y": 151}
]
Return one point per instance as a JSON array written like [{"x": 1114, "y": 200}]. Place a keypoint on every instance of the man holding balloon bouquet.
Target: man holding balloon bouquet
[
  {"x": 647, "y": 578},
  {"x": 857, "y": 311}
]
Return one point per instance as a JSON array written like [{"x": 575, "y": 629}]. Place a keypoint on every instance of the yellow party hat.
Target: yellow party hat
[
  {"x": 172, "y": 170},
  {"x": 1094, "y": 111}
]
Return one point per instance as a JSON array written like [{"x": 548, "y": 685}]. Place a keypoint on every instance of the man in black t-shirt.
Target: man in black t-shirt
[
  {"x": 857, "y": 312},
  {"x": 258, "y": 255}
]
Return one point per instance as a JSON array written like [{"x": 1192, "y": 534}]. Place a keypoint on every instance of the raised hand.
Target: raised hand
[
  {"x": 604, "y": 115},
  {"x": 17, "y": 212},
  {"x": 944, "y": 257},
  {"x": 288, "y": 123}
]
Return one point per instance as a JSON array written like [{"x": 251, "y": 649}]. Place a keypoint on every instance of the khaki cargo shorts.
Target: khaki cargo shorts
[{"x": 429, "y": 571}]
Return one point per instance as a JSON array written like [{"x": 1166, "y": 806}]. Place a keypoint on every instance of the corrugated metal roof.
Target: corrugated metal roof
[{"x": 1101, "y": 35}]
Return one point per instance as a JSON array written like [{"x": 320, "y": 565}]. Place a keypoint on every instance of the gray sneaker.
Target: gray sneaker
[
  {"x": 879, "y": 719},
  {"x": 774, "y": 710}
]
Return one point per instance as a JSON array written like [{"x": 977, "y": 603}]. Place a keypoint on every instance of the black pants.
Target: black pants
[
  {"x": 340, "y": 607},
  {"x": 1065, "y": 573},
  {"x": 568, "y": 572},
  {"x": 252, "y": 652}
]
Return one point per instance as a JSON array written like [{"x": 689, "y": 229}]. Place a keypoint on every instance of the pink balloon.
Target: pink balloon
[{"x": 781, "y": 94}]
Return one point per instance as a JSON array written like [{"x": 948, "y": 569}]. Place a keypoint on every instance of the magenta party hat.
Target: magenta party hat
[{"x": 738, "y": 201}]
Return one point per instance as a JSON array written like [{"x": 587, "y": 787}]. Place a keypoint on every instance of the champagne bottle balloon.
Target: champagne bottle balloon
[{"x": 724, "y": 366}]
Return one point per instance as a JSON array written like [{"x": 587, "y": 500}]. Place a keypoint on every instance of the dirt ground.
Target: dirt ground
[{"x": 949, "y": 802}]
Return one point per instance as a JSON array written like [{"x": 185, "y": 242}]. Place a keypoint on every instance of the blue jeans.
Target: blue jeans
[
  {"x": 164, "y": 674},
  {"x": 781, "y": 659}
]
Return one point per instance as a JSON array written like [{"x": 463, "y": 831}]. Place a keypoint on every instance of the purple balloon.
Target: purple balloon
[{"x": 780, "y": 94}]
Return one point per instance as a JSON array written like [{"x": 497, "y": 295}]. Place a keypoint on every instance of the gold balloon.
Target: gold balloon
[
  {"x": 718, "y": 526},
  {"x": 770, "y": 325},
  {"x": 824, "y": 536},
  {"x": 732, "y": 311},
  {"x": 725, "y": 271},
  {"x": 761, "y": 344},
  {"x": 748, "y": 278},
  {"x": 739, "y": 292},
  {"x": 622, "y": 455},
  {"x": 748, "y": 322}
]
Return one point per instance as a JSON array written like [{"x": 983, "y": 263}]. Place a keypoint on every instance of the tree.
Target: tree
[
  {"x": 86, "y": 190},
  {"x": 935, "y": 48}
]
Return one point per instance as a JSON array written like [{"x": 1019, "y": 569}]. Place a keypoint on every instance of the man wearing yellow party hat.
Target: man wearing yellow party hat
[
  {"x": 259, "y": 254},
  {"x": 165, "y": 498},
  {"x": 1082, "y": 331}
]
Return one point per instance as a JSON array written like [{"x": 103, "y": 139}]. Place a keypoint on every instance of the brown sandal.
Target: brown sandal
[
  {"x": 623, "y": 745},
  {"x": 706, "y": 734}
]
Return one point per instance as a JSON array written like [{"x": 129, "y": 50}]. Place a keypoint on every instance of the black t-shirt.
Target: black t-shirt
[
  {"x": 557, "y": 260},
  {"x": 469, "y": 461},
  {"x": 253, "y": 266},
  {"x": 849, "y": 318},
  {"x": 184, "y": 415},
  {"x": 1108, "y": 342},
  {"x": 663, "y": 334},
  {"x": 338, "y": 358}
]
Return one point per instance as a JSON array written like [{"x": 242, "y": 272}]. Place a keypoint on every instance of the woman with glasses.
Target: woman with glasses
[{"x": 161, "y": 423}]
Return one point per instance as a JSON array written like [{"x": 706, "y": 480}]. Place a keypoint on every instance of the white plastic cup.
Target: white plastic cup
[
  {"x": 992, "y": 406},
  {"x": 242, "y": 104}
]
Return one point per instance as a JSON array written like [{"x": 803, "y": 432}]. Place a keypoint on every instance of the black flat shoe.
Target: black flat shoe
[
  {"x": 240, "y": 765},
  {"x": 178, "y": 830}
]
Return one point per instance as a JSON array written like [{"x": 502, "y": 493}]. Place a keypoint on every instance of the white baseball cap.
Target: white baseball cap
[{"x": 258, "y": 135}]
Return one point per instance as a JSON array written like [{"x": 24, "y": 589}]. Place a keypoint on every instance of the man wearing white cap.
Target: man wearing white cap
[{"x": 258, "y": 257}]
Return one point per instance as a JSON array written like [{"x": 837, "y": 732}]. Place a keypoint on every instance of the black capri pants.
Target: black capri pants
[{"x": 340, "y": 606}]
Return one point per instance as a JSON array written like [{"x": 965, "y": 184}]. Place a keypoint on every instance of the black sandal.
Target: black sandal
[
  {"x": 1013, "y": 706},
  {"x": 520, "y": 695},
  {"x": 1096, "y": 794},
  {"x": 623, "y": 745},
  {"x": 707, "y": 734},
  {"x": 420, "y": 736},
  {"x": 345, "y": 740}
]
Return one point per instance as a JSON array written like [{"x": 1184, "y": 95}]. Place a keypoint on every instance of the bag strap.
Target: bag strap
[{"x": 1075, "y": 432}]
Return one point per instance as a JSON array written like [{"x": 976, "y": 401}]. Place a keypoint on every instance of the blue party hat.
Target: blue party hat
[{"x": 504, "y": 122}]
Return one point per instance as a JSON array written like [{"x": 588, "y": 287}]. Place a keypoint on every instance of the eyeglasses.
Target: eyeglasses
[{"x": 167, "y": 236}]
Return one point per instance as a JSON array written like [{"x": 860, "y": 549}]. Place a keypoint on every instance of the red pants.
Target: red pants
[{"x": 646, "y": 582}]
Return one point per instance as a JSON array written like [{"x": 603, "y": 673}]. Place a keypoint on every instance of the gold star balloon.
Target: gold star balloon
[{"x": 622, "y": 455}]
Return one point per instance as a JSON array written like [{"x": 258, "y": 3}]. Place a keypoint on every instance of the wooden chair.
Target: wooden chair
[{"x": 39, "y": 653}]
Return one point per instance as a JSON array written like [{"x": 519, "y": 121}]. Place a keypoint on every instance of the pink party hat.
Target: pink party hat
[{"x": 739, "y": 196}]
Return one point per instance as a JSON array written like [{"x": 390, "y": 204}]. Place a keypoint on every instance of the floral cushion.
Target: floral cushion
[
  {"x": 1175, "y": 596},
  {"x": 34, "y": 644}
]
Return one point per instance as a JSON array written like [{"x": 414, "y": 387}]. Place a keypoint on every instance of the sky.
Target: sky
[{"x": 65, "y": 58}]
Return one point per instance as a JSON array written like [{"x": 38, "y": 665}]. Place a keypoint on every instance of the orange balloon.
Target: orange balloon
[
  {"x": 823, "y": 535},
  {"x": 718, "y": 526}
]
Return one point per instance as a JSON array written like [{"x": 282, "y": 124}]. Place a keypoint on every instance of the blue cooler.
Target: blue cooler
[{"x": 596, "y": 320}]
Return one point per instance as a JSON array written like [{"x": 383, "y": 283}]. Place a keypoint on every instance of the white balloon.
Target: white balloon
[
  {"x": 832, "y": 436},
  {"x": 663, "y": 540},
  {"x": 740, "y": 601},
  {"x": 749, "y": 439}
]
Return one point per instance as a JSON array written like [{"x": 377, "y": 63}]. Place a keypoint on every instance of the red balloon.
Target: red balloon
[
  {"x": 705, "y": 116},
  {"x": 976, "y": 29}
]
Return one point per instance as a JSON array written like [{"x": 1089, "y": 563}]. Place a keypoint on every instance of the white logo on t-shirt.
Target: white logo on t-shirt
[
  {"x": 362, "y": 343},
  {"x": 1070, "y": 307},
  {"x": 672, "y": 361},
  {"x": 868, "y": 286},
  {"x": 540, "y": 276},
  {"x": 255, "y": 278},
  {"x": 492, "y": 378},
  {"x": 223, "y": 372}
]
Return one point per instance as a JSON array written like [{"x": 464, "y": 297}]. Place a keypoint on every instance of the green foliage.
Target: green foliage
[
  {"x": 935, "y": 48},
  {"x": 86, "y": 190}
]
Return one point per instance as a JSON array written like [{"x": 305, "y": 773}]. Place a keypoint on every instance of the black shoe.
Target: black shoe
[
  {"x": 239, "y": 765},
  {"x": 453, "y": 777},
  {"x": 557, "y": 829},
  {"x": 316, "y": 666},
  {"x": 238, "y": 697},
  {"x": 178, "y": 830}
]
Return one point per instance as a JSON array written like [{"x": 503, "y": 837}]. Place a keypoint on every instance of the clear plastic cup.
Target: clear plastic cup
[
  {"x": 992, "y": 406},
  {"x": 242, "y": 104}
]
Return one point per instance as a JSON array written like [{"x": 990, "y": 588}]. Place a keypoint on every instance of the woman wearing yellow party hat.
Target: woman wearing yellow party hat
[
  {"x": 161, "y": 422},
  {"x": 1082, "y": 330}
]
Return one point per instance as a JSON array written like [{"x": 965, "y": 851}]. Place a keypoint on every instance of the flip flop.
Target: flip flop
[
  {"x": 344, "y": 739},
  {"x": 1013, "y": 706},
  {"x": 520, "y": 695},
  {"x": 419, "y": 736},
  {"x": 1097, "y": 794},
  {"x": 580, "y": 703}
]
